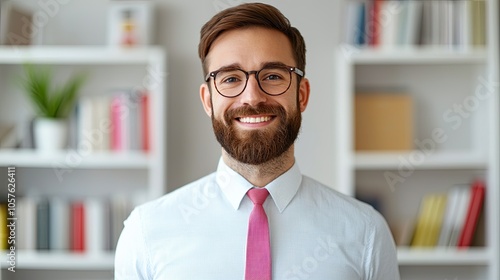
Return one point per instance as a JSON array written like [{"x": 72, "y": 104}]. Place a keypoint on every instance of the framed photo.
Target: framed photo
[
  {"x": 130, "y": 23},
  {"x": 16, "y": 24}
]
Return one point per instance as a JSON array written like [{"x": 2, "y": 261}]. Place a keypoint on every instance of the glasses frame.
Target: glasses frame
[{"x": 290, "y": 70}]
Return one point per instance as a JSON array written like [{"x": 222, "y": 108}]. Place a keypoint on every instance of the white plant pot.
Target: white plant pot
[{"x": 50, "y": 134}]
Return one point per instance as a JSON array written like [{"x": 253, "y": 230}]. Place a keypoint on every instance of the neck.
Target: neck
[{"x": 262, "y": 174}]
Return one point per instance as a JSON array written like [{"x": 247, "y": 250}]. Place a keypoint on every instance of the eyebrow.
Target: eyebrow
[{"x": 263, "y": 65}]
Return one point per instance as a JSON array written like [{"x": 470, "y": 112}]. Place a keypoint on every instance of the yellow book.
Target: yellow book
[
  {"x": 4, "y": 230},
  {"x": 422, "y": 229},
  {"x": 436, "y": 220},
  {"x": 478, "y": 10}
]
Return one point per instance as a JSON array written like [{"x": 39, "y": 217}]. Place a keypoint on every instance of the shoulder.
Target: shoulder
[
  {"x": 340, "y": 206},
  {"x": 169, "y": 205}
]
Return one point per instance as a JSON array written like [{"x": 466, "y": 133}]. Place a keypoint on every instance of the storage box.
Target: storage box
[{"x": 383, "y": 121}]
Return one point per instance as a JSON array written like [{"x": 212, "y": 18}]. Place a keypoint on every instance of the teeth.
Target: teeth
[{"x": 255, "y": 120}]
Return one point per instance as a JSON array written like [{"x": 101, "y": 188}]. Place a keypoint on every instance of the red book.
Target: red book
[
  {"x": 375, "y": 24},
  {"x": 475, "y": 206},
  {"x": 77, "y": 227},
  {"x": 116, "y": 124},
  {"x": 145, "y": 121}
]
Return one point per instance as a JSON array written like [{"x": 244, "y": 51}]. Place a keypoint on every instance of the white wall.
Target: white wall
[{"x": 192, "y": 149}]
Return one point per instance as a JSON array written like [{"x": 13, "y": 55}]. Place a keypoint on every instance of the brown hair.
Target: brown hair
[{"x": 246, "y": 15}]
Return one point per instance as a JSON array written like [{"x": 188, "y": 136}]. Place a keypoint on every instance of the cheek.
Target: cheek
[{"x": 219, "y": 107}]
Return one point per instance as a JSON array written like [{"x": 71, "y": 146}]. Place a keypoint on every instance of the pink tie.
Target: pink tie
[{"x": 258, "y": 266}]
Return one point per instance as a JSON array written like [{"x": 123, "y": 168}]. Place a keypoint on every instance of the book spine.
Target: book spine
[
  {"x": 422, "y": 227},
  {"x": 26, "y": 234},
  {"x": 145, "y": 122},
  {"x": 449, "y": 216},
  {"x": 77, "y": 227},
  {"x": 116, "y": 124},
  {"x": 59, "y": 224},
  {"x": 463, "y": 202},
  {"x": 4, "y": 230},
  {"x": 42, "y": 225},
  {"x": 94, "y": 223},
  {"x": 474, "y": 209}
]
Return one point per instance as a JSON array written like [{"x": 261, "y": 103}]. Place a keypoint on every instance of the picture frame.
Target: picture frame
[
  {"x": 130, "y": 23},
  {"x": 16, "y": 24}
]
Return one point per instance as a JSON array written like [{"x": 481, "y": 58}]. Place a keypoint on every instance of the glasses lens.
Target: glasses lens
[
  {"x": 275, "y": 81},
  {"x": 230, "y": 82}
]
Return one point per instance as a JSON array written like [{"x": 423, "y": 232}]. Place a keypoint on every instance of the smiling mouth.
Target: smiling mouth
[{"x": 253, "y": 120}]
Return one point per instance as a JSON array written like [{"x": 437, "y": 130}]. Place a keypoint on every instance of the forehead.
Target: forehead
[{"x": 250, "y": 48}]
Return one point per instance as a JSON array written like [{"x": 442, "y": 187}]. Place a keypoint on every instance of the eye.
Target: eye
[
  {"x": 230, "y": 80},
  {"x": 273, "y": 75},
  {"x": 230, "y": 77}
]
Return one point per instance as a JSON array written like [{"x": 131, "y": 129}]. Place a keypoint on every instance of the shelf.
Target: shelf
[
  {"x": 74, "y": 159},
  {"x": 445, "y": 256},
  {"x": 61, "y": 261},
  {"x": 79, "y": 55},
  {"x": 418, "y": 160},
  {"x": 413, "y": 55}
]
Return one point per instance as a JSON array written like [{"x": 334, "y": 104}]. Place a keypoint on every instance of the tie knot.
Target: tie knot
[{"x": 258, "y": 195}]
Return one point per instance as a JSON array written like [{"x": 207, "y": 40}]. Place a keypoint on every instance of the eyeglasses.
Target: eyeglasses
[{"x": 273, "y": 80}]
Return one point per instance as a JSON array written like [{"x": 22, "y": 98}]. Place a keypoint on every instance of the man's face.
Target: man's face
[{"x": 254, "y": 127}]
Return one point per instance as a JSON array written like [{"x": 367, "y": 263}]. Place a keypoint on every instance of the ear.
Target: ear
[
  {"x": 205, "y": 99},
  {"x": 304, "y": 91}
]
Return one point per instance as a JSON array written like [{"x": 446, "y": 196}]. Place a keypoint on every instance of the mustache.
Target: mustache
[{"x": 249, "y": 110}]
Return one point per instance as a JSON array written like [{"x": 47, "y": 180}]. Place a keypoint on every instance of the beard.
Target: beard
[{"x": 260, "y": 145}]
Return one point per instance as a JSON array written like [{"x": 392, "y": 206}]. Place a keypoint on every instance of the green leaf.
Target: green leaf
[{"x": 49, "y": 101}]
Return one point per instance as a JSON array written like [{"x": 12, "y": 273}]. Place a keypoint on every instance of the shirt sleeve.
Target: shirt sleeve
[
  {"x": 131, "y": 257},
  {"x": 381, "y": 256}
]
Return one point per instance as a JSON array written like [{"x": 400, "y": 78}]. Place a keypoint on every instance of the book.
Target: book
[
  {"x": 410, "y": 34},
  {"x": 119, "y": 210},
  {"x": 145, "y": 121},
  {"x": 43, "y": 225},
  {"x": 85, "y": 123},
  {"x": 77, "y": 234},
  {"x": 351, "y": 22},
  {"x": 403, "y": 232},
  {"x": 449, "y": 219},
  {"x": 26, "y": 231},
  {"x": 59, "y": 224},
  {"x": 420, "y": 238},
  {"x": 473, "y": 211},
  {"x": 461, "y": 214},
  {"x": 95, "y": 221},
  {"x": 120, "y": 121},
  {"x": 8, "y": 137},
  {"x": 389, "y": 32},
  {"x": 375, "y": 24},
  {"x": 478, "y": 14},
  {"x": 436, "y": 220},
  {"x": 93, "y": 123},
  {"x": 383, "y": 121},
  {"x": 4, "y": 230}
]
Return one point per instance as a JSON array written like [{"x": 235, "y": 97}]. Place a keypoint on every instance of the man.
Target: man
[{"x": 215, "y": 228}]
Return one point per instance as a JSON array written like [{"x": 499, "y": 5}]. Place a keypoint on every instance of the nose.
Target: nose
[{"x": 253, "y": 94}]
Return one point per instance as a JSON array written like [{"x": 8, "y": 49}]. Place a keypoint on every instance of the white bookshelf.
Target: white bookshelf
[
  {"x": 444, "y": 257},
  {"x": 136, "y": 175},
  {"x": 436, "y": 78},
  {"x": 30, "y": 158},
  {"x": 62, "y": 261},
  {"x": 444, "y": 160}
]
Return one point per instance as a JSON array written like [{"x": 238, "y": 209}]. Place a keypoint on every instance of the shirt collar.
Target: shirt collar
[{"x": 282, "y": 189}]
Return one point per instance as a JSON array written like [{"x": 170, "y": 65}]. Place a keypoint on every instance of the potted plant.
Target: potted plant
[{"x": 53, "y": 105}]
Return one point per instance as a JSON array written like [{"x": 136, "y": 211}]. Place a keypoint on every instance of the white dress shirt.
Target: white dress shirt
[{"x": 198, "y": 232}]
